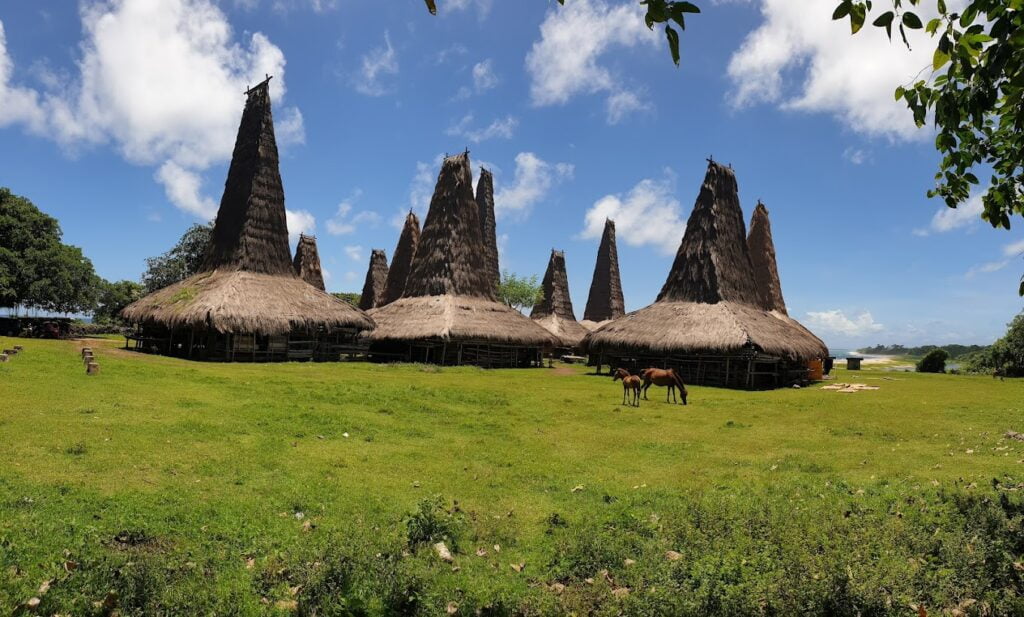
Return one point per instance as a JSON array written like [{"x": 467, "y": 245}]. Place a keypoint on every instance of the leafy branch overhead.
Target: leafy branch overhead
[{"x": 658, "y": 12}]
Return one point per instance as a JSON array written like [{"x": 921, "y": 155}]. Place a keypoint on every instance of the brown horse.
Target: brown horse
[
  {"x": 664, "y": 377},
  {"x": 629, "y": 382}
]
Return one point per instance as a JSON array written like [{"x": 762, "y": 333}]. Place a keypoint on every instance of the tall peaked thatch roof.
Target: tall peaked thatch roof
[
  {"x": 401, "y": 259},
  {"x": 449, "y": 295},
  {"x": 488, "y": 224},
  {"x": 307, "y": 262},
  {"x": 712, "y": 264},
  {"x": 762, "y": 257},
  {"x": 450, "y": 257},
  {"x": 247, "y": 284},
  {"x": 251, "y": 232},
  {"x": 376, "y": 279},
  {"x": 709, "y": 303},
  {"x": 554, "y": 309},
  {"x": 605, "y": 300}
]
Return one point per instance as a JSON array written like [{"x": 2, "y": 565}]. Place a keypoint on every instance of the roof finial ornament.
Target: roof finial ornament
[{"x": 711, "y": 159}]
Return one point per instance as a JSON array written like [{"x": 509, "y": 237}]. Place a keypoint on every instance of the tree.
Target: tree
[
  {"x": 933, "y": 362},
  {"x": 1005, "y": 356},
  {"x": 115, "y": 296},
  {"x": 519, "y": 292},
  {"x": 181, "y": 262},
  {"x": 351, "y": 298},
  {"x": 36, "y": 268}
]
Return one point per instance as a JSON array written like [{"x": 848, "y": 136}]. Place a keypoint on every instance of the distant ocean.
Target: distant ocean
[{"x": 840, "y": 353}]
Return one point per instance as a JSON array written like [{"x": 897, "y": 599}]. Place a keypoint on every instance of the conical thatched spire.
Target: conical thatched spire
[
  {"x": 712, "y": 264},
  {"x": 488, "y": 227},
  {"x": 251, "y": 233},
  {"x": 401, "y": 259},
  {"x": 762, "y": 257},
  {"x": 451, "y": 258},
  {"x": 376, "y": 277},
  {"x": 605, "y": 299},
  {"x": 555, "y": 299},
  {"x": 307, "y": 262},
  {"x": 553, "y": 311}
]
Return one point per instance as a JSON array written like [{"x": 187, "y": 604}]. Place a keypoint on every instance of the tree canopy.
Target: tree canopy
[
  {"x": 519, "y": 292},
  {"x": 37, "y": 270},
  {"x": 181, "y": 262}
]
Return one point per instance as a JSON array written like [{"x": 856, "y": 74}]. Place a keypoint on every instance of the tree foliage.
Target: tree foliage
[
  {"x": 933, "y": 362},
  {"x": 351, "y": 298},
  {"x": 1005, "y": 356},
  {"x": 181, "y": 262},
  {"x": 519, "y": 292},
  {"x": 115, "y": 296},
  {"x": 37, "y": 269}
]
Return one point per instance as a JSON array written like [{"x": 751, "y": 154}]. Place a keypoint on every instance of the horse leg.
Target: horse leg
[
  {"x": 624, "y": 391},
  {"x": 636, "y": 396},
  {"x": 647, "y": 386}
]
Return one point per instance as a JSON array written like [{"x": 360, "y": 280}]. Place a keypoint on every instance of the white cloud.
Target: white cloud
[
  {"x": 802, "y": 60},
  {"x": 856, "y": 156},
  {"x": 483, "y": 7},
  {"x": 421, "y": 189},
  {"x": 354, "y": 252},
  {"x": 377, "y": 64},
  {"x": 456, "y": 49},
  {"x": 345, "y": 222},
  {"x": 565, "y": 62},
  {"x": 836, "y": 321},
  {"x": 622, "y": 103},
  {"x": 289, "y": 127},
  {"x": 949, "y": 219},
  {"x": 162, "y": 82},
  {"x": 483, "y": 76},
  {"x": 534, "y": 177},
  {"x": 299, "y": 222},
  {"x": 1010, "y": 252},
  {"x": 648, "y": 215},
  {"x": 500, "y": 128}
]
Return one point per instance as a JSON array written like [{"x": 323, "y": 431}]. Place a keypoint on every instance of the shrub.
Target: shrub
[
  {"x": 431, "y": 523},
  {"x": 933, "y": 362}
]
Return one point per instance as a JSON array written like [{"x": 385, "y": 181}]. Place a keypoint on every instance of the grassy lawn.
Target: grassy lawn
[{"x": 169, "y": 487}]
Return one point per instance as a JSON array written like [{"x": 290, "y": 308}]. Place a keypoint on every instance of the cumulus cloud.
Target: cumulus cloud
[
  {"x": 500, "y": 128},
  {"x": 799, "y": 59},
  {"x": 836, "y": 321},
  {"x": 948, "y": 219},
  {"x": 483, "y": 75},
  {"x": 299, "y": 222},
  {"x": 647, "y": 215},
  {"x": 621, "y": 104},
  {"x": 354, "y": 252},
  {"x": 1010, "y": 252},
  {"x": 566, "y": 61},
  {"x": 345, "y": 221},
  {"x": 533, "y": 179},
  {"x": 377, "y": 65},
  {"x": 160, "y": 81}
]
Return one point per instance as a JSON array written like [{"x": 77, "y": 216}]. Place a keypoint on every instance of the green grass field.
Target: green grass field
[{"x": 169, "y": 487}]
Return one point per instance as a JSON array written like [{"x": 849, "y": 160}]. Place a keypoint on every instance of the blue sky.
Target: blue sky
[{"x": 118, "y": 118}]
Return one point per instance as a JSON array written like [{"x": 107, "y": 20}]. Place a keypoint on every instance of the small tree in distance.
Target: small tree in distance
[
  {"x": 933, "y": 362},
  {"x": 519, "y": 292}
]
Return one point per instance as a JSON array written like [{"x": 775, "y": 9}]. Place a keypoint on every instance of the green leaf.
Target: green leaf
[
  {"x": 432, "y": 7},
  {"x": 912, "y": 21},
  {"x": 900, "y": 90},
  {"x": 842, "y": 10},
  {"x": 933, "y": 25},
  {"x": 673, "y": 43},
  {"x": 884, "y": 19},
  {"x": 857, "y": 15},
  {"x": 942, "y": 7},
  {"x": 939, "y": 59},
  {"x": 687, "y": 7}
]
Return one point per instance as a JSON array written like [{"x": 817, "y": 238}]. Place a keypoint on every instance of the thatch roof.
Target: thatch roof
[
  {"x": 709, "y": 303},
  {"x": 591, "y": 325},
  {"x": 237, "y": 301},
  {"x": 605, "y": 299},
  {"x": 307, "y": 262},
  {"x": 488, "y": 225},
  {"x": 247, "y": 284},
  {"x": 401, "y": 259},
  {"x": 762, "y": 258},
  {"x": 553, "y": 311},
  {"x": 449, "y": 295},
  {"x": 376, "y": 279}
]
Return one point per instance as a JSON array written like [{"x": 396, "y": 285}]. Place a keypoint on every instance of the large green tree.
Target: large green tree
[
  {"x": 115, "y": 296},
  {"x": 37, "y": 270},
  {"x": 181, "y": 262},
  {"x": 519, "y": 292}
]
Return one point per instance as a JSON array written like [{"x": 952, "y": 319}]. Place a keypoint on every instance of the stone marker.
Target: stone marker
[
  {"x": 86, "y": 350},
  {"x": 92, "y": 368},
  {"x": 3, "y": 357},
  {"x": 10, "y": 352},
  {"x": 19, "y": 348}
]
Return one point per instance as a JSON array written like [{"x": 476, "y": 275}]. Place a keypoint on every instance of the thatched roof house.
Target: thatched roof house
[
  {"x": 448, "y": 313},
  {"x": 709, "y": 320},
  {"x": 488, "y": 224},
  {"x": 762, "y": 258},
  {"x": 554, "y": 310},
  {"x": 247, "y": 303},
  {"x": 605, "y": 301},
  {"x": 307, "y": 262},
  {"x": 376, "y": 280},
  {"x": 401, "y": 259}
]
